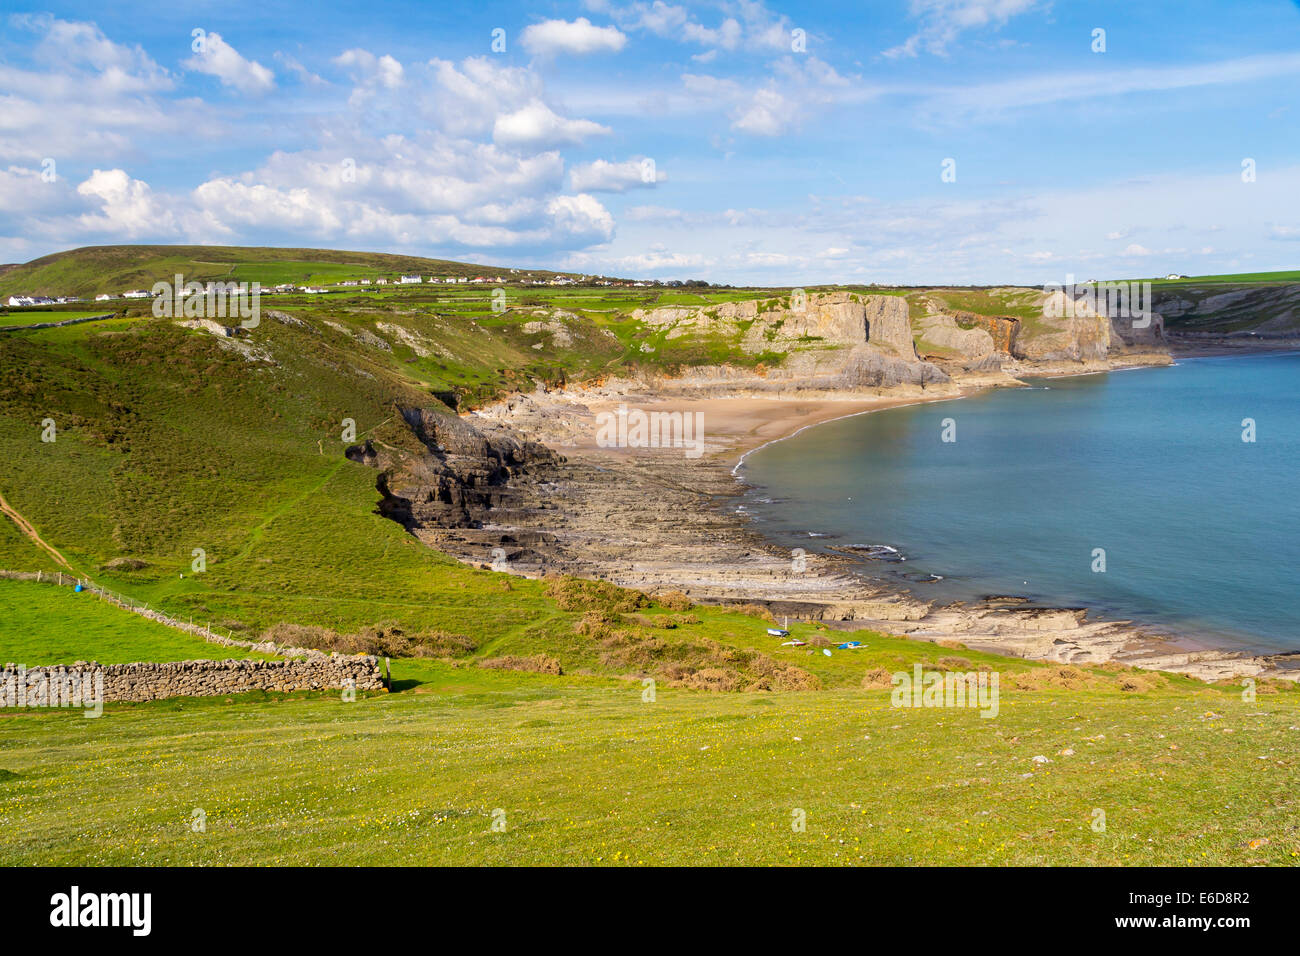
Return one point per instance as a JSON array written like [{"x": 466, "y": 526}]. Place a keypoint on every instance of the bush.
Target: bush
[
  {"x": 674, "y": 601},
  {"x": 577, "y": 594},
  {"x": 536, "y": 664},
  {"x": 380, "y": 640},
  {"x": 877, "y": 679}
]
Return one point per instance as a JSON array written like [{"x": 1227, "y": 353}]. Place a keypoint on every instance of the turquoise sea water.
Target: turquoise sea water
[{"x": 1200, "y": 529}]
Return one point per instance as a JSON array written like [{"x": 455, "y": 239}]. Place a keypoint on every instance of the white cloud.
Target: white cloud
[
  {"x": 371, "y": 75},
  {"x": 747, "y": 25},
  {"x": 230, "y": 203},
  {"x": 218, "y": 58},
  {"x": 768, "y": 113},
  {"x": 581, "y": 215},
  {"x": 957, "y": 103},
  {"x": 293, "y": 66},
  {"x": 126, "y": 206},
  {"x": 795, "y": 89},
  {"x": 538, "y": 126},
  {"x": 84, "y": 94},
  {"x": 604, "y": 176},
  {"x": 942, "y": 21},
  {"x": 579, "y": 38},
  {"x": 467, "y": 100}
]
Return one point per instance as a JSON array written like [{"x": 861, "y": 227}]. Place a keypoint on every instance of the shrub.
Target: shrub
[
  {"x": 536, "y": 664},
  {"x": 674, "y": 601},
  {"x": 878, "y": 678},
  {"x": 380, "y": 640},
  {"x": 577, "y": 594}
]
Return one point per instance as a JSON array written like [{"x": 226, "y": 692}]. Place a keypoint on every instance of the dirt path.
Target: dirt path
[{"x": 26, "y": 528}]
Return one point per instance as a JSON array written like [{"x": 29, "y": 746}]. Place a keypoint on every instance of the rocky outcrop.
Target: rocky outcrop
[
  {"x": 460, "y": 474},
  {"x": 1068, "y": 339},
  {"x": 1003, "y": 330},
  {"x": 889, "y": 327}
]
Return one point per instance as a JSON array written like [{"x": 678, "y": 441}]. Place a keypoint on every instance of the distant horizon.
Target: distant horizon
[{"x": 1078, "y": 280}]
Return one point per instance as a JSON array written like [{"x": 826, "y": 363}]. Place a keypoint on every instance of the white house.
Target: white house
[
  {"x": 135, "y": 294},
  {"x": 1175, "y": 275},
  {"x": 103, "y": 297},
  {"x": 411, "y": 280}
]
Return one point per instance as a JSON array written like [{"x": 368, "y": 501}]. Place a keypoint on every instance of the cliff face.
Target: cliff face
[
  {"x": 1262, "y": 311},
  {"x": 456, "y": 477},
  {"x": 1003, "y": 331},
  {"x": 1068, "y": 339},
  {"x": 835, "y": 340},
  {"x": 849, "y": 340}
]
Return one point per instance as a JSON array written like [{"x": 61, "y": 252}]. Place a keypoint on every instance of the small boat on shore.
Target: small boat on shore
[{"x": 782, "y": 631}]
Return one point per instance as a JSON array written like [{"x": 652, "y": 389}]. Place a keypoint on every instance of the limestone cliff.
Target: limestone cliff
[{"x": 834, "y": 340}]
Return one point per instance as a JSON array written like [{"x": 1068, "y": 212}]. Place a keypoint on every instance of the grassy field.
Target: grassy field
[
  {"x": 1240, "y": 278},
  {"x": 35, "y": 317},
  {"x": 578, "y": 771},
  {"x": 47, "y": 624}
]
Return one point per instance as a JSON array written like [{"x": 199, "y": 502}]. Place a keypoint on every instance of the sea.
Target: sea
[{"x": 1167, "y": 496}]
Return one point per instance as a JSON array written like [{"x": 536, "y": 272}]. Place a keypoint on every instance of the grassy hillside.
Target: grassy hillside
[
  {"x": 114, "y": 269},
  {"x": 47, "y": 624}
]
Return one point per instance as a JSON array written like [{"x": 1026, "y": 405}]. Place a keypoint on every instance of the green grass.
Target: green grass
[
  {"x": 48, "y": 624},
  {"x": 35, "y": 317},
  {"x": 588, "y": 773},
  {"x": 1014, "y": 303},
  {"x": 1240, "y": 278},
  {"x": 94, "y": 269}
]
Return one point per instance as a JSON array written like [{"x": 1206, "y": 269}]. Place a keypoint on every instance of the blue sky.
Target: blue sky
[{"x": 736, "y": 141}]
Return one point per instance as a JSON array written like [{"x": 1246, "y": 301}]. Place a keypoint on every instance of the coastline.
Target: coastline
[{"x": 657, "y": 520}]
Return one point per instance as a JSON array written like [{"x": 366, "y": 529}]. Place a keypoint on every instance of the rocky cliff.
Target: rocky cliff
[
  {"x": 454, "y": 475},
  {"x": 831, "y": 341},
  {"x": 1267, "y": 313}
]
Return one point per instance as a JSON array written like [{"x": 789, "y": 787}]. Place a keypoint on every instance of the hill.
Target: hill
[{"x": 92, "y": 270}]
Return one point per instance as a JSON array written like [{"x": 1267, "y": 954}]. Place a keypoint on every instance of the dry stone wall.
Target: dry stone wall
[{"x": 156, "y": 681}]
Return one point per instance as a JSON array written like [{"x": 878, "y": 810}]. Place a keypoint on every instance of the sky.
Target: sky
[{"x": 737, "y": 141}]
